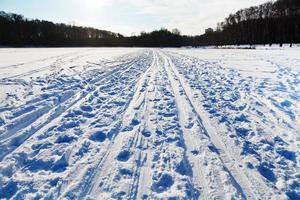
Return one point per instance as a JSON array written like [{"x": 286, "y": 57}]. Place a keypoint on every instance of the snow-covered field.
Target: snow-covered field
[{"x": 121, "y": 123}]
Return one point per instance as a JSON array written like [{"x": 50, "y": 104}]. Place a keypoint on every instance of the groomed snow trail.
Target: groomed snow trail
[{"x": 149, "y": 124}]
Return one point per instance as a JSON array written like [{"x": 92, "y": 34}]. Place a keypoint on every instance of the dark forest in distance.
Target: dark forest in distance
[{"x": 277, "y": 22}]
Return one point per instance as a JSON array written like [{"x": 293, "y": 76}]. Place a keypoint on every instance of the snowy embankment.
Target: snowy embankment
[
  {"x": 254, "y": 46},
  {"x": 120, "y": 123}
]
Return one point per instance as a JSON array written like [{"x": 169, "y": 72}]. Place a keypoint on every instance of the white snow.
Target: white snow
[{"x": 133, "y": 123}]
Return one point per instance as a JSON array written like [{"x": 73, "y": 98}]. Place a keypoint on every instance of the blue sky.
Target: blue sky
[{"x": 131, "y": 16}]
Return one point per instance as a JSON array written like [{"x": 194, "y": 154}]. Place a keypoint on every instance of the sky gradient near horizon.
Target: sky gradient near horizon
[{"x": 191, "y": 17}]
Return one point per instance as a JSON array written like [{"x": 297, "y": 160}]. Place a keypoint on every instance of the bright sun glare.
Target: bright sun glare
[{"x": 93, "y": 4}]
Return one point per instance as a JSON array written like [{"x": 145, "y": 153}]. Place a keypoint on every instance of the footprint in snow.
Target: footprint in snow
[
  {"x": 146, "y": 133},
  {"x": 86, "y": 108},
  {"x": 98, "y": 136},
  {"x": 124, "y": 156},
  {"x": 163, "y": 184}
]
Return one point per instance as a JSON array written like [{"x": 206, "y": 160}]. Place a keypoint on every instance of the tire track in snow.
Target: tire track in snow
[
  {"x": 92, "y": 188},
  {"x": 21, "y": 132},
  {"x": 123, "y": 76},
  {"x": 41, "y": 60},
  {"x": 56, "y": 66},
  {"x": 166, "y": 171},
  {"x": 260, "y": 150},
  {"x": 137, "y": 174},
  {"x": 55, "y": 112},
  {"x": 241, "y": 176},
  {"x": 145, "y": 140},
  {"x": 196, "y": 137},
  {"x": 90, "y": 175}
]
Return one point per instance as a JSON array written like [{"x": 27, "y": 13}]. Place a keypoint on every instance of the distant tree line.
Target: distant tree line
[
  {"x": 15, "y": 30},
  {"x": 157, "y": 38},
  {"x": 272, "y": 22}
]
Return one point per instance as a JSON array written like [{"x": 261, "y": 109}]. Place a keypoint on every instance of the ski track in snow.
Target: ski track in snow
[{"x": 117, "y": 123}]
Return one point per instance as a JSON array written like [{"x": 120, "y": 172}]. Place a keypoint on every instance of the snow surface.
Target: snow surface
[{"x": 129, "y": 123}]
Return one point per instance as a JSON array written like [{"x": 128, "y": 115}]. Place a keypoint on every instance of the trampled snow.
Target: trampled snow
[{"x": 130, "y": 123}]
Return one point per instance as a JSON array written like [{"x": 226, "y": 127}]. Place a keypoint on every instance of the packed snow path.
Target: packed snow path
[{"x": 150, "y": 124}]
